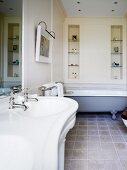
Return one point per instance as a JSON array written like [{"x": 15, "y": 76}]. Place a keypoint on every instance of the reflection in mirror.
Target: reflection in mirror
[{"x": 10, "y": 44}]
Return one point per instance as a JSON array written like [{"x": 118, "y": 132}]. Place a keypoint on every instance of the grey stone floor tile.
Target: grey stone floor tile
[
  {"x": 115, "y": 132},
  {"x": 81, "y": 132},
  {"x": 102, "y": 127},
  {"x": 125, "y": 138},
  {"x": 109, "y": 155},
  {"x": 94, "y": 155},
  {"x": 118, "y": 139},
  {"x": 81, "y": 145},
  {"x": 79, "y": 165},
  {"x": 124, "y": 164},
  {"x": 95, "y": 165},
  {"x": 94, "y": 138},
  {"x": 67, "y": 164},
  {"x": 112, "y": 165},
  {"x": 91, "y": 123},
  {"x": 92, "y": 145},
  {"x": 105, "y": 138},
  {"x": 70, "y": 137},
  {"x": 121, "y": 146},
  {"x": 69, "y": 144},
  {"x": 107, "y": 146},
  {"x": 93, "y": 132},
  {"x": 79, "y": 154},
  {"x": 96, "y": 143},
  {"x": 72, "y": 132},
  {"x": 104, "y": 132},
  {"x": 122, "y": 155},
  {"x": 68, "y": 154},
  {"x": 84, "y": 123},
  {"x": 92, "y": 127},
  {"x": 111, "y": 127},
  {"x": 100, "y": 123},
  {"x": 81, "y": 138}
]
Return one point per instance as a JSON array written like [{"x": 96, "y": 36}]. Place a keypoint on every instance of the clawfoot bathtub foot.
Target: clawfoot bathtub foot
[{"x": 113, "y": 114}]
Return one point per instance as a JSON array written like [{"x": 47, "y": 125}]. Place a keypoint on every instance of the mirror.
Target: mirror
[{"x": 10, "y": 44}]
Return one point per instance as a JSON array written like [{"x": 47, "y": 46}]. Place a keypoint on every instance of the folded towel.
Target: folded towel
[
  {"x": 60, "y": 89},
  {"x": 48, "y": 93},
  {"x": 54, "y": 91}
]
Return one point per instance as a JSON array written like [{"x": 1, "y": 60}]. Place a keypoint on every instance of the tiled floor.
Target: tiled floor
[{"x": 96, "y": 143}]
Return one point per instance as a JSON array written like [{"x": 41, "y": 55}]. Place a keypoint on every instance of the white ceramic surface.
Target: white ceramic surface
[
  {"x": 46, "y": 106},
  {"x": 15, "y": 153},
  {"x": 125, "y": 122},
  {"x": 44, "y": 128},
  {"x": 81, "y": 92}
]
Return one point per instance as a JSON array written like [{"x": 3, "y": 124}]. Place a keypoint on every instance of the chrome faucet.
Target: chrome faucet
[
  {"x": 43, "y": 89},
  {"x": 12, "y": 103},
  {"x": 26, "y": 96}
]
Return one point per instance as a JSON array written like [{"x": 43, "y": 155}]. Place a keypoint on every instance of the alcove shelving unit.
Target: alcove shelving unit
[
  {"x": 116, "y": 52},
  {"x": 73, "y": 51},
  {"x": 13, "y": 50}
]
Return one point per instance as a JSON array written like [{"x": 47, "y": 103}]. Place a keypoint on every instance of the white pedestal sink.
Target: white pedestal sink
[
  {"x": 49, "y": 120},
  {"x": 15, "y": 153}
]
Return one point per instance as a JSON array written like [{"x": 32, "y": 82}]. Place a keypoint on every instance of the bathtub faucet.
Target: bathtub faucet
[
  {"x": 13, "y": 105},
  {"x": 26, "y": 96},
  {"x": 43, "y": 89}
]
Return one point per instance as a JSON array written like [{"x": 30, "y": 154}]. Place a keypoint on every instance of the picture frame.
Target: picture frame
[{"x": 43, "y": 46}]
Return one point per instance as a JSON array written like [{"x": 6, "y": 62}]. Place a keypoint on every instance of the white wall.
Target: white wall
[
  {"x": 35, "y": 74},
  {"x": 58, "y": 20},
  {"x": 95, "y": 49},
  {"x": 1, "y": 46}
]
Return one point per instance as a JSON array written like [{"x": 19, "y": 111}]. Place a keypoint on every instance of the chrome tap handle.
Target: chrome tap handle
[
  {"x": 26, "y": 95},
  {"x": 11, "y": 100}
]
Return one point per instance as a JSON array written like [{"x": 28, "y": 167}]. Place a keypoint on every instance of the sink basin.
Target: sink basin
[
  {"x": 15, "y": 153},
  {"x": 46, "y": 106}
]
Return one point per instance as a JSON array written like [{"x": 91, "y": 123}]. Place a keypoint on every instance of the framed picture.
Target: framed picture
[{"x": 43, "y": 46}]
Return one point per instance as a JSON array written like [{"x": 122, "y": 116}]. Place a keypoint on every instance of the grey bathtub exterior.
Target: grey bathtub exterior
[{"x": 99, "y": 100}]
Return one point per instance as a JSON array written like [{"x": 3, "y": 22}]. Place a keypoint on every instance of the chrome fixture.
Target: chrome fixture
[
  {"x": 26, "y": 96},
  {"x": 43, "y": 89},
  {"x": 12, "y": 103},
  {"x": 16, "y": 89},
  {"x": 51, "y": 33}
]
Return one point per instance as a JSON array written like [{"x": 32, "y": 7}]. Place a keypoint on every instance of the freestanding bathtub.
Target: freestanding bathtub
[{"x": 99, "y": 100}]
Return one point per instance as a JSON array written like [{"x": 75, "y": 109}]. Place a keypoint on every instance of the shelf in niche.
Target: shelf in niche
[
  {"x": 13, "y": 64},
  {"x": 13, "y": 38},
  {"x": 116, "y": 66},
  {"x": 73, "y": 65},
  {"x": 116, "y": 53},
  {"x": 73, "y": 52},
  {"x": 13, "y": 51},
  {"x": 116, "y": 40},
  {"x": 73, "y": 40}
]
